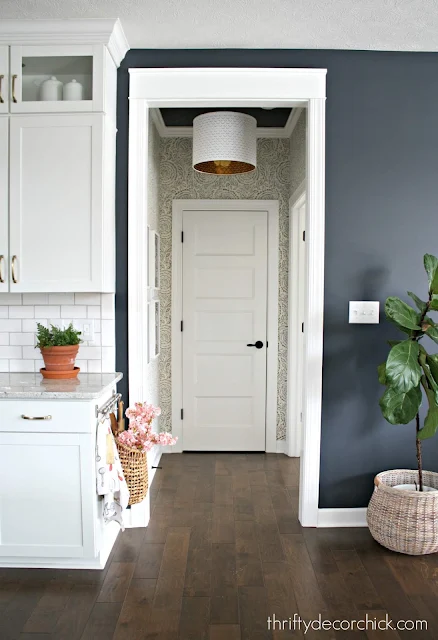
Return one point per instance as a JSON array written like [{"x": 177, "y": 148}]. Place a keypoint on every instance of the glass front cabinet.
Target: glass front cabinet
[{"x": 48, "y": 79}]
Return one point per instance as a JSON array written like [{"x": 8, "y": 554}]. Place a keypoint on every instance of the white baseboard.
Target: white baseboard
[
  {"x": 282, "y": 446},
  {"x": 342, "y": 517}
]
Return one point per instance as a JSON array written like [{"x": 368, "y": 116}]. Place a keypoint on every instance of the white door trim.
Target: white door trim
[
  {"x": 251, "y": 88},
  {"x": 272, "y": 208},
  {"x": 296, "y": 312}
]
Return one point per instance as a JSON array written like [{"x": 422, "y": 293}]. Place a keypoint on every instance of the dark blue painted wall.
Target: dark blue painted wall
[{"x": 381, "y": 216}]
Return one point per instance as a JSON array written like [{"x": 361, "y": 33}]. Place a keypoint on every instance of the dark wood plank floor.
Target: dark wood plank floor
[{"x": 224, "y": 550}]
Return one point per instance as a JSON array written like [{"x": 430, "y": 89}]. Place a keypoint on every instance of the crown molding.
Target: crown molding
[
  {"x": 58, "y": 32},
  {"x": 261, "y": 132}
]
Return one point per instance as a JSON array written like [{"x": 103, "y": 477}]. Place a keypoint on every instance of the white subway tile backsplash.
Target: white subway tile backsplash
[
  {"x": 10, "y": 325},
  {"x": 73, "y": 311},
  {"x": 90, "y": 353},
  {"x": 107, "y": 306},
  {"x": 10, "y": 298},
  {"x": 20, "y": 366},
  {"x": 21, "y": 312},
  {"x": 30, "y": 353},
  {"x": 108, "y": 359},
  {"x": 47, "y": 311},
  {"x": 93, "y": 312},
  {"x": 94, "y": 366},
  {"x": 35, "y": 298},
  {"x": 87, "y": 298},
  {"x": 11, "y": 352},
  {"x": 61, "y": 298},
  {"x": 24, "y": 339},
  {"x": 31, "y": 325},
  {"x": 108, "y": 333}
]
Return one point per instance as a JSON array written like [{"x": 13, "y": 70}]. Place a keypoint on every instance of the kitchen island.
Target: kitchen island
[{"x": 50, "y": 513}]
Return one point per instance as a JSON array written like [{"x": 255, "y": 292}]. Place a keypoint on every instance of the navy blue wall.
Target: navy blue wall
[{"x": 381, "y": 216}]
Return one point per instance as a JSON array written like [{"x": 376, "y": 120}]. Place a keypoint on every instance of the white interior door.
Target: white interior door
[{"x": 225, "y": 265}]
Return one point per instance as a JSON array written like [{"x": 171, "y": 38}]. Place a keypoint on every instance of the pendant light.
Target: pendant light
[{"x": 224, "y": 143}]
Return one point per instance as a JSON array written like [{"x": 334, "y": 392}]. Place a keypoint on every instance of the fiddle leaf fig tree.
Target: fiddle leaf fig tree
[{"x": 409, "y": 371}]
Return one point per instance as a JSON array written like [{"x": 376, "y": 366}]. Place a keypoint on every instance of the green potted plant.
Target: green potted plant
[
  {"x": 59, "y": 348},
  {"x": 402, "y": 514}
]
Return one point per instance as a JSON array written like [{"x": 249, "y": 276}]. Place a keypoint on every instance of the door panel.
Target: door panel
[
  {"x": 56, "y": 202},
  {"x": 224, "y": 310},
  {"x": 4, "y": 203}
]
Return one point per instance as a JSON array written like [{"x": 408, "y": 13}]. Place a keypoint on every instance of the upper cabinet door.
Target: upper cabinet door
[
  {"x": 4, "y": 79},
  {"x": 56, "y": 203},
  {"x": 4, "y": 203},
  {"x": 34, "y": 66}
]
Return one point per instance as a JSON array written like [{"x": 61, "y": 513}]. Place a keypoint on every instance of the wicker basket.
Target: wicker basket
[
  {"x": 404, "y": 521},
  {"x": 135, "y": 469}
]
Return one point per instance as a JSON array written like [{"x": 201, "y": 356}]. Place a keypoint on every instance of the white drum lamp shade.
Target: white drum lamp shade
[{"x": 224, "y": 143}]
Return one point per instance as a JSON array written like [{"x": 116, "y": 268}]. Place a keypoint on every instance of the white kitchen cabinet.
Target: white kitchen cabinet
[
  {"x": 46, "y": 502},
  {"x": 59, "y": 209},
  {"x": 32, "y": 65},
  {"x": 4, "y": 79},
  {"x": 4, "y": 203}
]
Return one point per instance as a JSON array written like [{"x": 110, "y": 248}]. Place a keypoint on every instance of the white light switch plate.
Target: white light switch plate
[
  {"x": 365, "y": 312},
  {"x": 86, "y": 327}
]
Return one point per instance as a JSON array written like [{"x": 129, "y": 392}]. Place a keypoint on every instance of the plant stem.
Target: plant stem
[{"x": 419, "y": 453}]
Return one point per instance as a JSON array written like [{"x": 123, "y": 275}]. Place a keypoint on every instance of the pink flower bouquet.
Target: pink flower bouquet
[{"x": 140, "y": 435}]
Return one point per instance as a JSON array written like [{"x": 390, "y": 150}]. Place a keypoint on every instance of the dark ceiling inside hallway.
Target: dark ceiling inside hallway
[{"x": 264, "y": 117}]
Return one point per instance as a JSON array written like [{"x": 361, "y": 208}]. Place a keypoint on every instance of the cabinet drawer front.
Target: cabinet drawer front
[{"x": 46, "y": 416}]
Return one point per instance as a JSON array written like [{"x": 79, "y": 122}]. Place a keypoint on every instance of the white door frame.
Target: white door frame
[
  {"x": 225, "y": 87},
  {"x": 296, "y": 312},
  {"x": 272, "y": 209}
]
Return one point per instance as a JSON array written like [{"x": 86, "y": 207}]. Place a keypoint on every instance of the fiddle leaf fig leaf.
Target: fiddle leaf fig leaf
[
  {"x": 403, "y": 371},
  {"x": 402, "y": 314},
  {"x": 381, "y": 370},
  {"x": 432, "y": 361},
  {"x": 431, "y": 422},
  {"x": 434, "y": 302},
  {"x": 431, "y": 266},
  {"x": 392, "y": 343},
  {"x": 422, "y": 306},
  {"x": 432, "y": 332},
  {"x": 399, "y": 407}
]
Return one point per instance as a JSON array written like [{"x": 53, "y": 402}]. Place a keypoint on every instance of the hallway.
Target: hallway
[{"x": 224, "y": 550}]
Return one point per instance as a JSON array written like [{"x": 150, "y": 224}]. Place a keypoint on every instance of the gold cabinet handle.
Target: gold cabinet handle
[
  {"x": 25, "y": 417},
  {"x": 2, "y": 262},
  {"x": 1, "y": 80},
  {"x": 14, "y": 80},
  {"x": 14, "y": 275}
]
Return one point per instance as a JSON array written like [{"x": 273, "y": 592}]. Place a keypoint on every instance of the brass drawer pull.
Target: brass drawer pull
[
  {"x": 1, "y": 80},
  {"x": 25, "y": 417},
  {"x": 14, "y": 275},
  {"x": 14, "y": 80},
  {"x": 2, "y": 261}
]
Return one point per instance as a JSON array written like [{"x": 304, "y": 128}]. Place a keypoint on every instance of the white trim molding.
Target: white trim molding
[
  {"x": 272, "y": 208},
  {"x": 67, "y": 32},
  {"x": 155, "y": 88},
  {"x": 342, "y": 517},
  {"x": 261, "y": 132},
  {"x": 282, "y": 446}
]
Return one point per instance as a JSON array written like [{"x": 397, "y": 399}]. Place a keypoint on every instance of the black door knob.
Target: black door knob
[{"x": 257, "y": 345}]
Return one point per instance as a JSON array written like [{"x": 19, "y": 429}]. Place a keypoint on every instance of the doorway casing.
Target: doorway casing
[{"x": 182, "y": 88}]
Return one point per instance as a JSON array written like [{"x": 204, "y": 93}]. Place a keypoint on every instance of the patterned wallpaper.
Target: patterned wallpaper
[
  {"x": 298, "y": 152},
  {"x": 270, "y": 181},
  {"x": 152, "y": 370}
]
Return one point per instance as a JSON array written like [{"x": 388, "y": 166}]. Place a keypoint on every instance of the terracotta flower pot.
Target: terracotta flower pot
[{"x": 60, "y": 358}]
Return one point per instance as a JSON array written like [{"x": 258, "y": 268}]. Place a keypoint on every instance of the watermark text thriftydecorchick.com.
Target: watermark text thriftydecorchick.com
[{"x": 368, "y": 623}]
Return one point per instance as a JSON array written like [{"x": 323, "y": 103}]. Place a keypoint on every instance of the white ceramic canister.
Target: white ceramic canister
[
  {"x": 51, "y": 89},
  {"x": 72, "y": 90}
]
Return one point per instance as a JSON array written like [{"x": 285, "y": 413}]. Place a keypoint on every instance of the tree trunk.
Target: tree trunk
[{"x": 419, "y": 454}]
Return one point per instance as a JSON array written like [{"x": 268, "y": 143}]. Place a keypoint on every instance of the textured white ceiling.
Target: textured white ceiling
[{"x": 312, "y": 24}]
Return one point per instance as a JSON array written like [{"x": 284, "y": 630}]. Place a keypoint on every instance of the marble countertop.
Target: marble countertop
[{"x": 33, "y": 386}]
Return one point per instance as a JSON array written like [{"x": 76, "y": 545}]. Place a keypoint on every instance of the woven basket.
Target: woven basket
[
  {"x": 404, "y": 521},
  {"x": 135, "y": 469}
]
